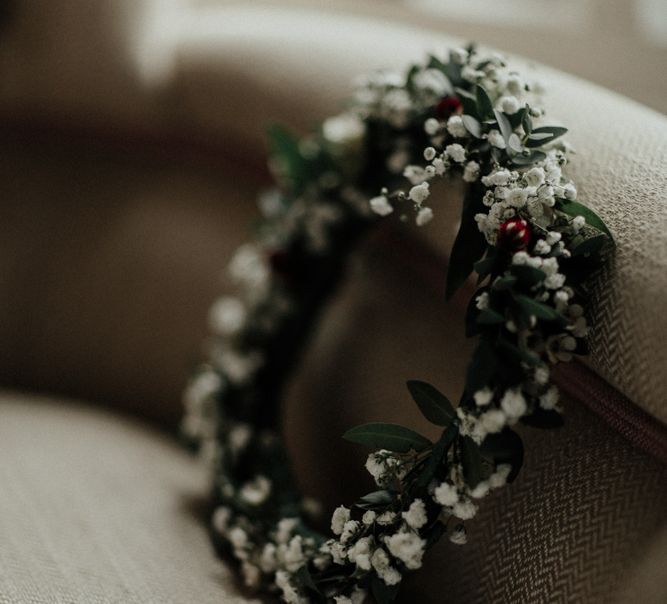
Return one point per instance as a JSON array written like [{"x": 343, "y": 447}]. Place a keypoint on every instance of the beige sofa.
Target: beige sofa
[{"x": 123, "y": 203}]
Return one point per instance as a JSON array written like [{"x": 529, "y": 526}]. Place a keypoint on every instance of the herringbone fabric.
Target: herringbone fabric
[{"x": 567, "y": 531}]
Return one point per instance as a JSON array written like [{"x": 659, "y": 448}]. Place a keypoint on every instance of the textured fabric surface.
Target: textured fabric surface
[
  {"x": 620, "y": 169},
  {"x": 100, "y": 510}
]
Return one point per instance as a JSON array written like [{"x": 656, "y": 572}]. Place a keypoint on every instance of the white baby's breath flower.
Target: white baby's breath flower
[
  {"x": 340, "y": 516},
  {"x": 227, "y": 316},
  {"x": 534, "y": 177},
  {"x": 513, "y": 403},
  {"x": 455, "y": 127},
  {"x": 431, "y": 126},
  {"x": 446, "y": 494},
  {"x": 465, "y": 510},
  {"x": 549, "y": 399},
  {"x": 509, "y": 104},
  {"x": 456, "y": 152},
  {"x": 496, "y": 139},
  {"x": 381, "y": 206},
  {"x": 369, "y": 517},
  {"x": 416, "y": 517},
  {"x": 483, "y": 397},
  {"x": 424, "y": 216},
  {"x": 459, "y": 536},
  {"x": 256, "y": 491},
  {"x": 429, "y": 154},
  {"x": 419, "y": 193},
  {"x": 471, "y": 171},
  {"x": 408, "y": 547}
]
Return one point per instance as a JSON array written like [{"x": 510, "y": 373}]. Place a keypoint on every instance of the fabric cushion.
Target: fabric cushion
[
  {"x": 98, "y": 509},
  {"x": 243, "y": 67}
]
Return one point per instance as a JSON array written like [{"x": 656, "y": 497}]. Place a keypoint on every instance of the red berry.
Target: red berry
[
  {"x": 514, "y": 235},
  {"x": 447, "y": 106}
]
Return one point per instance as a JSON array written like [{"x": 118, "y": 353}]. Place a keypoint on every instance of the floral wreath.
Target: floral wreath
[{"x": 533, "y": 248}]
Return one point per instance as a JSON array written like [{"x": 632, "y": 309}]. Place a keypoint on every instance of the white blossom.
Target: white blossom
[
  {"x": 344, "y": 130},
  {"x": 380, "y": 205},
  {"x": 465, "y": 510},
  {"x": 459, "y": 536},
  {"x": 256, "y": 491},
  {"x": 509, "y": 104},
  {"x": 534, "y": 177},
  {"x": 415, "y": 517},
  {"x": 360, "y": 553},
  {"x": 419, "y": 193},
  {"x": 381, "y": 564},
  {"x": 424, "y": 216},
  {"x": 408, "y": 547},
  {"x": 431, "y": 126},
  {"x": 455, "y": 127},
  {"x": 496, "y": 139},
  {"x": 446, "y": 494},
  {"x": 340, "y": 516},
  {"x": 456, "y": 152},
  {"x": 369, "y": 517},
  {"x": 429, "y": 153},
  {"x": 227, "y": 316},
  {"x": 471, "y": 171},
  {"x": 513, "y": 403},
  {"x": 483, "y": 397},
  {"x": 549, "y": 399}
]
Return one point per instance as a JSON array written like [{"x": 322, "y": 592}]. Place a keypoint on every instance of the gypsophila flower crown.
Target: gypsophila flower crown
[{"x": 533, "y": 248}]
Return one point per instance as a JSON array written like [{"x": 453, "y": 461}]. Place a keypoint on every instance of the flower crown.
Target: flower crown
[{"x": 533, "y": 248}]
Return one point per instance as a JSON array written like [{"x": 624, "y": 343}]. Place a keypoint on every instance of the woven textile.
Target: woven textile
[{"x": 100, "y": 510}]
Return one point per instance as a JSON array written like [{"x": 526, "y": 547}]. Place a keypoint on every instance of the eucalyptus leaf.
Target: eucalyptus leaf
[
  {"x": 504, "y": 125},
  {"x": 489, "y": 316},
  {"x": 387, "y": 436},
  {"x": 437, "y": 454},
  {"x": 543, "y": 135},
  {"x": 573, "y": 208},
  {"x": 481, "y": 368},
  {"x": 469, "y": 245},
  {"x": 527, "y": 122},
  {"x": 471, "y": 459},
  {"x": 484, "y": 104},
  {"x": 540, "y": 310},
  {"x": 472, "y": 125},
  {"x": 589, "y": 246},
  {"x": 434, "y": 405},
  {"x": 375, "y": 499},
  {"x": 468, "y": 101}
]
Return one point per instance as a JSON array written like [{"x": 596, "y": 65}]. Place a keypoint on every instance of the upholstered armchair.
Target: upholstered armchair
[{"x": 128, "y": 180}]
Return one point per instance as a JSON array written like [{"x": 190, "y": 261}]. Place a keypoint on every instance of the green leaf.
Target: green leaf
[
  {"x": 590, "y": 246},
  {"x": 521, "y": 355},
  {"x": 514, "y": 143},
  {"x": 469, "y": 245},
  {"x": 481, "y": 368},
  {"x": 468, "y": 101},
  {"x": 435, "y": 406},
  {"x": 472, "y": 125},
  {"x": 285, "y": 146},
  {"x": 573, "y": 208},
  {"x": 504, "y": 447},
  {"x": 383, "y": 593},
  {"x": 543, "y": 135},
  {"x": 489, "y": 316},
  {"x": 504, "y": 283},
  {"x": 526, "y": 122},
  {"x": 304, "y": 577},
  {"x": 375, "y": 499},
  {"x": 541, "y": 311},
  {"x": 503, "y": 124},
  {"x": 387, "y": 436},
  {"x": 485, "y": 266},
  {"x": 471, "y": 459},
  {"x": 437, "y": 453},
  {"x": 528, "y": 275},
  {"x": 484, "y": 104}
]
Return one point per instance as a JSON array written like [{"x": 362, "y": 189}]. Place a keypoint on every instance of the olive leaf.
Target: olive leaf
[
  {"x": 387, "y": 436},
  {"x": 434, "y": 405}
]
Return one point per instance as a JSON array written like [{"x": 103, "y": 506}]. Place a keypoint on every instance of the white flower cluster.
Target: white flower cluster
[
  {"x": 532, "y": 193},
  {"x": 381, "y": 551}
]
